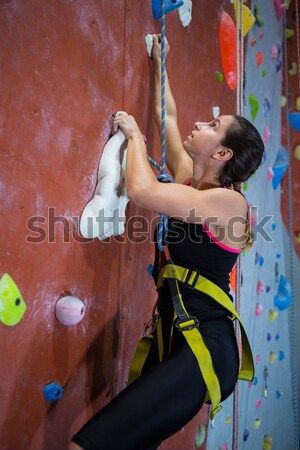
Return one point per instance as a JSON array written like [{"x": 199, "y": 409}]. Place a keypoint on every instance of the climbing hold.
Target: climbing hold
[
  {"x": 220, "y": 76},
  {"x": 185, "y": 12},
  {"x": 255, "y": 381},
  {"x": 267, "y": 134},
  {"x": 277, "y": 337},
  {"x": 283, "y": 101},
  {"x": 274, "y": 52},
  {"x": 169, "y": 6},
  {"x": 227, "y": 38},
  {"x": 281, "y": 355},
  {"x": 268, "y": 442},
  {"x": 266, "y": 106},
  {"x": 247, "y": 20},
  {"x": 293, "y": 69},
  {"x": 260, "y": 35},
  {"x": 258, "y": 18},
  {"x": 53, "y": 392},
  {"x": 245, "y": 435},
  {"x": 272, "y": 357},
  {"x": 273, "y": 226},
  {"x": 298, "y": 237},
  {"x": 273, "y": 313},
  {"x": 245, "y": 186},
  {"x": 149, "y": 44},
  {"x": 258, "y": 403},
  {"x": 228, "y": 420},
  {"x": 259, "y": 287},
  {"x": 298, "y": 103},
  {"x": 150, "y": 269},
  {"x": 289, "y": 33},
  {"x": 259, "y": 59},
  {"x": 268, "y": 288},
  {"x": 280, "y": 166},
  {"x": 279, "y": 7},
  {"x": 257, "y": 422},
  {"x": 297, "y": 152},
  {"x": 12, "y": 305},
  {"x": 294, "y": 119},
  {"x": 269, "y": 337},
  {"x": 216, "y": 111},
  {"x": 254, "y": 106},
  {"x": 258, "y": 309},
  {"x": 279, "y": 394},
  {"x": 283, "y": 298},
  {"x": 253, "y": 42},
  {"x": 270, "y": 173},
  {"x": 263, "y": 73},
  {"x": 69, "y": 310},
  {"x": 104, "y": 215},
  {"x": 257, "y": 359},
  {"x": 200, "y": 436}
]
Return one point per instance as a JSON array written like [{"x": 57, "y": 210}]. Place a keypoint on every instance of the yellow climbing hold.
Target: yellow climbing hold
[
  {"x": 298, "y": 103},
  {"x": 12, "y": 305},
  {"x": 293, "y": 69},
  {"x": 272, "y": 357},
  {"x": 273, "y": 313},
  {"x": 297, "y": 152},
  {"x": 289, "y": 33},
  {"x": 268, "y": 442},
  {"x": 283, "y": 101},
  {"x": 248, "y": 19},
  {"x": 228, "y": 420},
  {"x": 257, "y": 423}
]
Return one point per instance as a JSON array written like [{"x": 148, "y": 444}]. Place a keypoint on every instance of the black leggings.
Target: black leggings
[{"x": 166, "y": 397}]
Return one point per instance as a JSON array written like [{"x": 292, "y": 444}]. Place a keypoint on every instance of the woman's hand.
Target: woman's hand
[
  {"x": 127, "y": 125},
  {"x": 156, "y": 48}
]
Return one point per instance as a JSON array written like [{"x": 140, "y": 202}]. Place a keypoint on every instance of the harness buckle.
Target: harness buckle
[
  {"x": 179, "y": 324},
  {"x": 190, "y": 272}
]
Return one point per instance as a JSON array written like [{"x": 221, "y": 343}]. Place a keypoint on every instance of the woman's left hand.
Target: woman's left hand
[{"x": 127, "y": 125}]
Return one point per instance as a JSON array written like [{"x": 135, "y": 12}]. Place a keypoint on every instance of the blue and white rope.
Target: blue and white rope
[{"x": 163, "y": 177}]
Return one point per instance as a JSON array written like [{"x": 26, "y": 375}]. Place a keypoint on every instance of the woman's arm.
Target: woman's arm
[
  {"x": 185, "y": 203},
  {"x": 178, "y": 161}
]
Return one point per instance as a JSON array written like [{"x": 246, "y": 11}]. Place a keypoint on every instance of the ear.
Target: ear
[{"x": 223, "y": 154}]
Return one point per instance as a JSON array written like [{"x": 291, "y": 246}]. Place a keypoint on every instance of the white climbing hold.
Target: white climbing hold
[
  {"x": 149, "y": 43},
  {"x": 104, "y": 215},
  {"x": 185, "y": 12}
]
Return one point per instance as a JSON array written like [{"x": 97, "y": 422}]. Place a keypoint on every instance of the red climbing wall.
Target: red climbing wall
[
  {"x": 294, "y": 92},
  {"x": 66, "y": 66}
]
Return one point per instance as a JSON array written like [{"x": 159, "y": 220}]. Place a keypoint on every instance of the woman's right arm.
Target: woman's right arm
[{"x": 178, "y": 161}]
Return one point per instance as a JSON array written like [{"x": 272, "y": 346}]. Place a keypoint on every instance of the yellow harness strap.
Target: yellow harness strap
[{"x": 188, "y": 325}]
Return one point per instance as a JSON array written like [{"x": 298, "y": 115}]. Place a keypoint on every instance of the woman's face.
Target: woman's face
[{"x": 206, "y": 137}]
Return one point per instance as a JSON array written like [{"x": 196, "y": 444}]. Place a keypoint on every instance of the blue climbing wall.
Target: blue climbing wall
[{"x": 265, "y": 406}]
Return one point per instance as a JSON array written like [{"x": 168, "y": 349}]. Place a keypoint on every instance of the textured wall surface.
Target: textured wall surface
[{"x": 66, "y": 66}]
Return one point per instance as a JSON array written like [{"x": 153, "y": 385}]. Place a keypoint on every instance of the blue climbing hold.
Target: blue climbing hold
[
  {"x": 255, "y": 380},
  {"x": 281, "y": 355},
  {"x": 150, "y": 269},
  {"x": 294, "y": 119},
  {"x": 280, "y": 166},
  {"x": 53, "y": 392},
  {"x": 169, "y": 6},
  {"x": 283, "y": 298}
]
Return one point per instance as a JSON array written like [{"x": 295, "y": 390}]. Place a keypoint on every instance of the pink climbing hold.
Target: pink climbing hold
[
  {"x": 258, "y": 403},
  {"x": 279, "y": 7},
  {"x": 258, "y": 309},
  {"x": 260, "y": 35},
  {"x": 267, "y": 134},
  {"x": 69, "y": 310},
  {"x": 259, "y": 59},
  {"x": 270, "y": 173},
  {"x": 257, "y": 359},
  {"x": 259, "y": 287}
]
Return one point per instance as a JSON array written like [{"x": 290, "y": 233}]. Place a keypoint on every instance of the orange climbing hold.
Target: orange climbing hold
[{"x": 227, "y": 37}]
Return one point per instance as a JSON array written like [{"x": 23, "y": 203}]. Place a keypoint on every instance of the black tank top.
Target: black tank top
[{"x": 192, "y": 246}]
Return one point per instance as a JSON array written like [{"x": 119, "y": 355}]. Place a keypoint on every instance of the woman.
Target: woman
[{"x": 208, "y": 228}]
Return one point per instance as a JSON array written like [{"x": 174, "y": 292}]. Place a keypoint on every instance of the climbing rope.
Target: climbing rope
[
  {"x": 293, "y": 333},
  {"x": 163, "y": 177},
  {"x": 239, "y": 111}
]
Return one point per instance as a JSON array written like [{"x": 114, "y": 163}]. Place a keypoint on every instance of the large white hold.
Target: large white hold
[
  {"x": 69, "y": 310},
  {"x": 104, "y": 215}
]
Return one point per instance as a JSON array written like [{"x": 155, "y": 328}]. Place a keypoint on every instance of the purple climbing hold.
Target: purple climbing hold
[
  {"x": 246, "y": 435},
  {"x": 269, "y": 337}
]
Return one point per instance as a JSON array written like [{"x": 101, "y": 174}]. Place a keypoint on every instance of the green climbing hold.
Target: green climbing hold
[
  {"x": 263, "y": 73},
  {"x": 245, "y": 186},
  {"x": 12, "y": 305},
  {"x": 200, "y": 436},
  {"x": 259, "y": 21},
  {"x": 254, "y": 106},
  {"x": 220, "y": 76}
]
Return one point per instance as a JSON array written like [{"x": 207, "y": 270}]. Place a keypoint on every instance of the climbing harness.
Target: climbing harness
[{"x": 188, "y": 326}]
